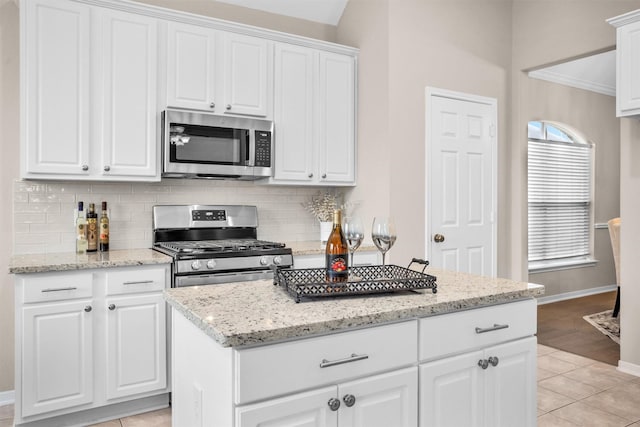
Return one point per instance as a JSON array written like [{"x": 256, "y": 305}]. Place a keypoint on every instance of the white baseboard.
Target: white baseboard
[
  {"x": 576, "y": 294},
  {"x": 629, "y": 368},
  {"x": 7, "y": 397}
]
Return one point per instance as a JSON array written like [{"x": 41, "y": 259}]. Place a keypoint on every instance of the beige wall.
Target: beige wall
[
  {"x": 596, "y": 119},
  {"x": 9, "y": 154},
  {"x": 630, "y": 244}
]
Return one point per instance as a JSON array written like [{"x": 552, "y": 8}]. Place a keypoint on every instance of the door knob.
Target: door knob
[{"x": 438, "y": 238}]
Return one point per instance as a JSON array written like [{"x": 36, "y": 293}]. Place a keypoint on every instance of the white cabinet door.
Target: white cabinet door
[
  {"x": 136, "y": 344},
  {"x": 191, "y": 67},
  {"x": 628, "y": 69},
  {"x": 452, "y": 392},
  {"x": 57, "y": 364},
  {"x": 247, "y": 76},
  {"x": 337, "y": 118},
  {"x": 128, "y": 62},
  {"x": 55, "y": 88},
  {"x": 294, "y": 113},
  {"x": 309, "y": 409},
  {"x": 511, "y": 384},
  {"x": 457, "y": 391},
  {"x": 381, "y": 401}
]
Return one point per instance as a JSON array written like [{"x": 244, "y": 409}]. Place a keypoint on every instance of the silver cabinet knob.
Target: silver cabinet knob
[
  {"x": 483, "y": 363},
  {"x": 334, "y": 404},
  {"x": 107, "y": 168},
  {"x": 212, "y": 105},
  {"x": 310, "y": 175},
  {"x": 493, "y": 361},
  {"x": 85, "y": 167},
  {"x": 228, "y": 106},
  {"x": 324, "y": 175},
  {"x": 349, "y": 400},
  {"x": 112, "y": 307},
  {"x": 88, "y": 308}
]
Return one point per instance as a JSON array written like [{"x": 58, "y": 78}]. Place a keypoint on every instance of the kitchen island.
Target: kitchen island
[{"x": 245, "y": 354}]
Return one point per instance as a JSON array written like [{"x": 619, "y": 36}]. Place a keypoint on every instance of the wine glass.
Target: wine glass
[
  {"x": 354, "y": 233},
  {"x": 383, "y": 233}
]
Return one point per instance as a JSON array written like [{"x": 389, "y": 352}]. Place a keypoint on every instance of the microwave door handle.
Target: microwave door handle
[{"x": 251, "y": 148}]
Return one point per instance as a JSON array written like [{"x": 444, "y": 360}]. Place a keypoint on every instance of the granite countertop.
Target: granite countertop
[
  {"x": 64, "y": 261},
  {"x": 250, "y": 313},
  {"x": 315, "y": 247}
]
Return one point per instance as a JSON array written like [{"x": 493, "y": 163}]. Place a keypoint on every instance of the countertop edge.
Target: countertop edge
[{"x": 344, "y": 324}]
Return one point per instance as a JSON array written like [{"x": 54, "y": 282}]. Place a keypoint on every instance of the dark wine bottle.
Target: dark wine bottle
[
  {"x": 336, "y": 252},
  {"x": 92, "y": 228},
  {"x": 104, "y": 229}
]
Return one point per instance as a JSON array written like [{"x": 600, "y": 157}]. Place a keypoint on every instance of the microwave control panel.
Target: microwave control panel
[{"x": 263, "y": 148}]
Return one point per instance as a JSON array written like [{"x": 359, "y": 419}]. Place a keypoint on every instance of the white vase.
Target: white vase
[{"x": 325, "y": 231}]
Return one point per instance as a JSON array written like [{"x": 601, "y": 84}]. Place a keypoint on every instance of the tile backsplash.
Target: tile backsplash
[{"x": 43, "y": 212}]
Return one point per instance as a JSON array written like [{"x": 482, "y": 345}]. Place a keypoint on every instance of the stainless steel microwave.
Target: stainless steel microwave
[{"x": 203, "y": 145}]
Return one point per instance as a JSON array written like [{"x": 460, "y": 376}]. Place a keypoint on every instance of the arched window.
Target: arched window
[{"x": 560, "y": 183}]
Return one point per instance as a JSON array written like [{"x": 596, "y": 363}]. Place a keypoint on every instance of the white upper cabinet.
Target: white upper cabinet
[
  {"x": 55, "y": 62},
  {"x": 191, "y": 71},
  {"x": 314, "y": 117},
  {"x": 218, "y": 71},
  {"x": 128, "y": 47},
  {"x": 627, "y": 63},
  {"x": 89, "y": 95}
]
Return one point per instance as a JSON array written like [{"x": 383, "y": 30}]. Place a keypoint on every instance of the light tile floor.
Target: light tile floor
[{"x": 572, "y": 391}]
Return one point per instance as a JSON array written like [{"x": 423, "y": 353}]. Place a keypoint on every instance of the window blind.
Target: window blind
[{"x": 559, "y": 197}]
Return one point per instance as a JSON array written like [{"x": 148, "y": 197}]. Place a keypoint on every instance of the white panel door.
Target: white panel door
[
  {"x": 309, "y": 409},
  {"x": 452, "y": 392},
  {"x": 128, "y": 60},
  {"x": 136, "y": 345},
  {"x": 381, "y": 401},
  {"x": 55, "y": 85},
  {"x": 461, "y": 185},
  {"x": 57, "y": 352},
  {"x": 248, "y": 73},
  {"x": 191, "y": 73},
  {"x": 337, "y": 118},
  {"x": 511, "y": 384},
  {"x": 294, "y": 112}
]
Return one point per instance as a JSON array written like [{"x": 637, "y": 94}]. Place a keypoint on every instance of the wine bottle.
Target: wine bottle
[
  {"x": 336, "y": 252},
  {"x": 92, "y": 228},
  {"x": 81, "y": 230},
  {"x": 104, "y": 229}
]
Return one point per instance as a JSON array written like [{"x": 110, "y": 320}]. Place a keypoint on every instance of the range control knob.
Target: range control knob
[
  {"x": 196, "y": 265},
  {"x": 277, "y": 260},
  {"x": 264, "y": 260},
  {"x": 211, "y": 264}
]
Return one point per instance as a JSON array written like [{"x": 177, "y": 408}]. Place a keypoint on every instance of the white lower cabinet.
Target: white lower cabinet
[
  {"x": 88, "y": 339},
  {"x": 380, "y": 401},
  {"x": 467, "y": 368}
]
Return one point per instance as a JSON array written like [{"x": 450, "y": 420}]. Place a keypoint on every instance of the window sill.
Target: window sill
[{"x": 545, "y": 266}]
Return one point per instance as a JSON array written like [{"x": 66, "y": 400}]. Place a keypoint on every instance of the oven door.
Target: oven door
[{"x": 219, "y": 278}]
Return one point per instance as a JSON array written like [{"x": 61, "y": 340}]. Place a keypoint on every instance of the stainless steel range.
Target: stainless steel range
[{"x": 213, "y": 244}]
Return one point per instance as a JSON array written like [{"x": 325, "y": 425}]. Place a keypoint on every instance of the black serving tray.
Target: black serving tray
[{"x": 371, "y": 279}]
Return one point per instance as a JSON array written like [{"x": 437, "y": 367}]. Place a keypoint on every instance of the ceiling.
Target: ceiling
[
  {"x": 323, "y": 11},
  {"x": 596, "y": 73}
]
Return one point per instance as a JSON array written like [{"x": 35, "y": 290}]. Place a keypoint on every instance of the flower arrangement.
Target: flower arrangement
[{"x": 322, "y": 205}]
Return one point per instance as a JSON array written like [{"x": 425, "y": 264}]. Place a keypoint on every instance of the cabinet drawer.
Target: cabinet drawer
[
  {"x": 291, "y": 366},
  {"x": 135, "y": 280},
  {"x": 56, "y": 286},
  {"x": 467, "y": 330}
]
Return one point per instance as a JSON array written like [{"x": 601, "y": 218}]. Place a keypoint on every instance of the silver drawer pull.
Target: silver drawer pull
[
  {"x": 353, "y": 358},
  {"x": 495, "y": 327},
  {"x": 139, "y": 282},
  {"x": 59, "y": 289}
]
